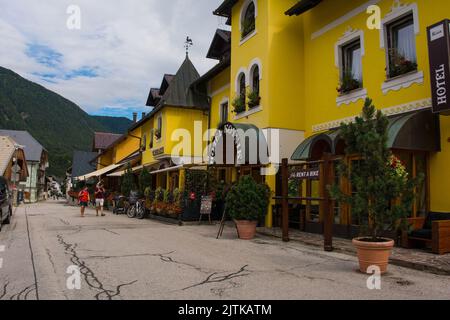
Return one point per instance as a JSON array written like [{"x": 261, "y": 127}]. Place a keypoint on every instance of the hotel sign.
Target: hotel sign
[
  {"x": 158, "y": 152},
  {"x": 439, "y": 53}
]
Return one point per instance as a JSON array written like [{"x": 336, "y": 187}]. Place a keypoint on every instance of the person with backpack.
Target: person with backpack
[{"x": 83, "y": 198}]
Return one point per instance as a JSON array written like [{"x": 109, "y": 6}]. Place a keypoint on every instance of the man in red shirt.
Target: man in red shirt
[{"x": 84, "y": 199}]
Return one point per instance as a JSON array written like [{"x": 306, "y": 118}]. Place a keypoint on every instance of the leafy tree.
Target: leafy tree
[
  {"x": 127, "y": 183},
  {"x": 145, "y": 180},
  {"x": 383, "y": 192}
]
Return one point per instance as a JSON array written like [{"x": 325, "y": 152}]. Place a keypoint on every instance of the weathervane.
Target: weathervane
[{"x": 188, "y": 44}]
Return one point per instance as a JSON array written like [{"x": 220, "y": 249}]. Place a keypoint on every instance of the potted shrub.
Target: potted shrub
[
  {"x": 238, "y": 104},
  {"x": 382, "y": 191},
  {"x": 150, "y": 199},
  {"x": 246, "y": 203},
  {"x": 253, "y": 99},
  {"x": 159, "y": 198}
]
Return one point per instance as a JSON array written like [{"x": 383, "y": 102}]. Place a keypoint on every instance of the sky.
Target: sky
[{"x": 107, "y": 60}]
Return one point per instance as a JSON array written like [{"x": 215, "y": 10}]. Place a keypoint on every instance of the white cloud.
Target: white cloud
[{"x": 132, "y": 43}]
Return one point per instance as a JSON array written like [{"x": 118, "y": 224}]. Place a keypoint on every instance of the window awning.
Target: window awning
[
  {"x": 98, "y": 173},
  {"x": 302, "y": 6},
  {"x": 418, "y": 131},
  {"x": 134, "y": 169}
]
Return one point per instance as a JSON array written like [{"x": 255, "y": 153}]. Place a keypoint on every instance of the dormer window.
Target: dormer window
[{"x": 248, "y": 20}]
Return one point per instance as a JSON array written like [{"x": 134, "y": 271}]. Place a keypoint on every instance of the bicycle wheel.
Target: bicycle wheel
[
  {"x": 140, "y": 211},
  {"x": 131, "y": 212}
]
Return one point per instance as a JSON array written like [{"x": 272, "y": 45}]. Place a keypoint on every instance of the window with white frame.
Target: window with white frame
[
  {"x": 350, "y": 66},
  {"x": 144, "y": 143},
  {"x": 401, "y": 46},
  {"x": 248, "y": 19}
]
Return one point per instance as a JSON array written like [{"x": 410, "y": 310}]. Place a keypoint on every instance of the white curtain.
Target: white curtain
[
  {"x": 356, "y": 64},
  {"x": 405, "y": 42}
]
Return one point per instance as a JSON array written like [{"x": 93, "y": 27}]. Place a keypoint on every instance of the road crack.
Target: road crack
[
  {"x": 89, "y": 276},
  {"x": 215, "y": 277}
]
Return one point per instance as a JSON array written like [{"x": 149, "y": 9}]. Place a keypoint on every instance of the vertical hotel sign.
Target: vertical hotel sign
[{"x": 439, "y": 53}]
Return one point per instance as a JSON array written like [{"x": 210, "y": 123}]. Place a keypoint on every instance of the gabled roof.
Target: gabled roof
[
  {"x": 153, "y": 97},
  {"x": 6, "y": 152},
  {"x": 302, "y": 6},
  {"x": 224, "y": 10},
  {"x": 32, "y": 148},
  {"x": 220, "y": 45},
  {"x": 167, "y": 79},
  {"x": 81, "y": 163},
  {"x": 103, "y": 139},
  {"x": 214, "y": 71},
  {"x": 179, "y": 92}
]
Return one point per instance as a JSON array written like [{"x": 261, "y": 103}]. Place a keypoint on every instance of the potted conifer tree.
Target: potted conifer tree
[
  {"x": 382, "y": 191},
  {"x": 246, "y": 202}
]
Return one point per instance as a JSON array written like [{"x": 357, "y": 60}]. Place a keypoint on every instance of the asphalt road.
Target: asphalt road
[{"x": 122, "y": 258}]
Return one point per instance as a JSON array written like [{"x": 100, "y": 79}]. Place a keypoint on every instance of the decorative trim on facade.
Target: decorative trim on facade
[
  {"x": 398, "y": 10},
  {"x": 248, "y": 113},
  {"x": 349, "y": 35},
  {"x": 402, "y": 82},
  {"x": 404, "y": 108},
  {"x": 343, "y": 19},
  {"x": 351, "y": 97}
]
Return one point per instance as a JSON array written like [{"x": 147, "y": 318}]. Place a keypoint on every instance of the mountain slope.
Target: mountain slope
[
  {"x": 114, "y": 124},
  {"x": 57, "y": 123}
]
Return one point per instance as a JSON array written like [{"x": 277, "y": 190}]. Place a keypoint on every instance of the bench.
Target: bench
[{"x": 432, "y": 231}]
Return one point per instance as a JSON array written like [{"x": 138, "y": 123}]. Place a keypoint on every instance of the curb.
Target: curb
[{"x": 394, "y": 261}]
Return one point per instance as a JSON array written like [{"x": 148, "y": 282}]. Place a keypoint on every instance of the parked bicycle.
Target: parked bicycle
[{"x": 137, "y": 207}]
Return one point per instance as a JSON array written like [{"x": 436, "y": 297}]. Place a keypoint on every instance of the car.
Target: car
[{"x": 5, "y": 203}]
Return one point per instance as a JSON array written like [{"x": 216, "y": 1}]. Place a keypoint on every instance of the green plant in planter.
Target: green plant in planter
[
  {"x": 253, "y": 99},
  {"x": 238, "y": 105},
  {"x": 247, "y": 200},
  {"x": 399, "y": 65},
  {"x": 159, "y": 194},
  {"x": 348, "y": 83},
  {"x": 383, "y": 191}
]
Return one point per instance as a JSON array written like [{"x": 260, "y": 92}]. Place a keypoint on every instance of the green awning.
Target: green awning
[
  {"x": 418, "y": 131},
  {"x": 249, "y": 141}
]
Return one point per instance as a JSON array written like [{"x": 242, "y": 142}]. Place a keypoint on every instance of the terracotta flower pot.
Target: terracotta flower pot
[
  {"x": 373, "y": 253},
  {"x": 246, "y": 229}
]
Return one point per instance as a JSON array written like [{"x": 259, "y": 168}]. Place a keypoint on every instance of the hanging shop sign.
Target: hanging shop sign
[
  {"x": 439, "y": 54},
  {"x": 228, "y": 130},
  {"x": 306, "y": 174}
]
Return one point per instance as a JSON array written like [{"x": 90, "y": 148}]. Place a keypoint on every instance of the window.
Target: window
[
  {"x": 351, "y": 67},
  {"x": 151, "y": 139},
  {"x": 253, "y": 97},
  {"x": 401, "y": 42},
  {"x": 248, "y": 20},
  {"x": 224, "y": 112},
  {"x": 242, "y": 87},
  {"x": 158, "y": 131}
]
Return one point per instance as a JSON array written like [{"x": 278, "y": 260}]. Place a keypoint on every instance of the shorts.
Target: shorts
[
  {"x": 99, "y": 202},
  {"x": 83, "y": 204}
]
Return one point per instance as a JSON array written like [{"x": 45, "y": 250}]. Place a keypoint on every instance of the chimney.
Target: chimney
[
  {"x": 143, "y": 115},
  {"x": 134, "y": 117}
]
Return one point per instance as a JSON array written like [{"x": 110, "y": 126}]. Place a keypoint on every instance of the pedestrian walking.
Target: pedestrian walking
[
  {"x": 83, "y": 198},
  {"x": 99, "y": 198}
]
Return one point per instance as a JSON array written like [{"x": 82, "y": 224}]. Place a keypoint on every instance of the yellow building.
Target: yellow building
[{"x": 312, "y": 64}]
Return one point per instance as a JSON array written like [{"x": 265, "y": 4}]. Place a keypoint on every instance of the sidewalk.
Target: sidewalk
[{"x": 409, "y": 258}]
